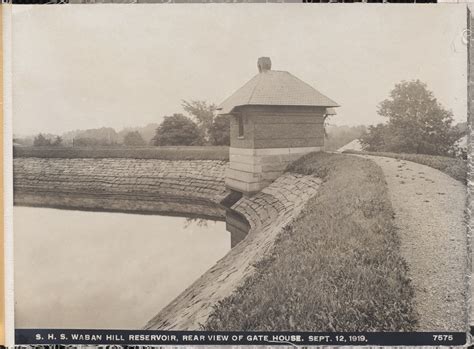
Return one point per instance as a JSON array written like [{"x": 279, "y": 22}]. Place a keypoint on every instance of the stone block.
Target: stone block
[
  {"x": 244, "y": 187},
  {"x": 250, "y": 177},
  {"x": 240, "y": 166}
]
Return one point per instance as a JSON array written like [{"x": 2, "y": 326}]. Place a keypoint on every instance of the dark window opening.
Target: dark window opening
[{"x": 240, "y": 120}]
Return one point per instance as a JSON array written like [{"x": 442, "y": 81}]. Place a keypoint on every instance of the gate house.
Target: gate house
[{"x": 275, "y": 118}]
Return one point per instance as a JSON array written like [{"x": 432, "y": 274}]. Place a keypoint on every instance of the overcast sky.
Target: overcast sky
[{"x": 88, "y": 66}]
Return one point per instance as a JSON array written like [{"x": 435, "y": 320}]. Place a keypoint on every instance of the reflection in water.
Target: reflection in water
[
  {"x": 200, "y": 222},
  {"x": 237, "y": 225},
  {"x": 76, "y": 269}
]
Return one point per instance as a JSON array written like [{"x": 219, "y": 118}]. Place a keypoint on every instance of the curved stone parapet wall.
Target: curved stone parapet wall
[
  {"x": 268, "y": 212},
  {"x": 138, "y": 185}
]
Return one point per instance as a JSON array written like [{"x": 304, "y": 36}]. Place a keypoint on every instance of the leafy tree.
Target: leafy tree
[
  {"x": 204, "y": 113},
  {"x": 41, "y": 141},
  {"x": 417, "y": 123},
  {"x": 134, "y": 139},
  {"x": 219, "y": 132},
  {"x": 177, "y": 130}
]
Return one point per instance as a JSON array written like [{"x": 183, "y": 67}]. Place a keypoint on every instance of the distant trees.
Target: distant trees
[
  {"x": 417, "y": 123},
  {"x": 178, "y": 130},
  {"x": 23, "y": 141},
  {"x": 104, "y": 136},
  {"x": 134, "y": 139},
  {"x": 338, "y": 136},
  {"x": 41, "y": 141},
  {"x": 91, "y": 142},
  {"x": 57, "y": 141},
  {"x": 147, "y": 132},
  {"x": 202, "y": 126}
]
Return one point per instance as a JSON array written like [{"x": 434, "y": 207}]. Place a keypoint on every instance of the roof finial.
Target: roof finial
[{"x": 264, "y": 64}]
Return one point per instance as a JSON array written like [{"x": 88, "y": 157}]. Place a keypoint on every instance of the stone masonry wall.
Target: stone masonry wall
[
  {"x": 174, "y": 187},
  {"x": 145, "y": 185},
  {"x": 268, "y": 212}
]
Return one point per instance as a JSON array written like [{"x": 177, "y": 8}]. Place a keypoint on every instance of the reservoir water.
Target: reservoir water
[{"x": 78, "y": 269}]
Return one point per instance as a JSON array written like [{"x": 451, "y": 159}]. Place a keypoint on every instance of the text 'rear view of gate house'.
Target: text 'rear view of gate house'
[
  {"x": 287, "y": 186},
  {"x": 275, "y": 118}
]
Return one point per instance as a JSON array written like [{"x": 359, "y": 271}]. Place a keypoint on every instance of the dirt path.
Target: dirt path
[{"x": 429, "y": 213}]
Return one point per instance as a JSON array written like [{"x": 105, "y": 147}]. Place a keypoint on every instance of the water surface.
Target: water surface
[{"x": 76, "y": 269}]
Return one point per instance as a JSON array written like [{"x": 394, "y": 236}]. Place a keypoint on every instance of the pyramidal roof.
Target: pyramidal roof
[{"x": 273, "y": 87}]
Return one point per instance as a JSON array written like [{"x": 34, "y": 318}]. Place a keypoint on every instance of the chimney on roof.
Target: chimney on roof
[{"x": 264, "y": 64}]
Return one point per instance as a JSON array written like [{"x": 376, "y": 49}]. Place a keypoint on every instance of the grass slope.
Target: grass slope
[
  {"x": 456, "y": 168},
  {"x": 337, "y": 267},
  {"x": 161, "y": 153}
]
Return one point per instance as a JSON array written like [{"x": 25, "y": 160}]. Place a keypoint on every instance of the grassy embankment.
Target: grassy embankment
[
  {"x": 161, "y": 153},
  {"x": 337, "y": 267},
  {"x": 456, "y": 168}
]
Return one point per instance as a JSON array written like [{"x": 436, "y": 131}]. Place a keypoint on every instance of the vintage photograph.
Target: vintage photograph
[{"x": 245, "y": 167}]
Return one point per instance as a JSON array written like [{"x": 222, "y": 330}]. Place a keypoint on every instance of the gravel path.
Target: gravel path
[{"x": 429, "y": 213}]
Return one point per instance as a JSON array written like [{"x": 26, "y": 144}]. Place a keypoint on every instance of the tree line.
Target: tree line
[
  {"x": 202, "y": 126},
  {"x": 415, "y": 123}
]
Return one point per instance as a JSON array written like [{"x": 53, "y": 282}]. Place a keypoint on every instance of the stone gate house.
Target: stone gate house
[{"x": 274, "y": 119}]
